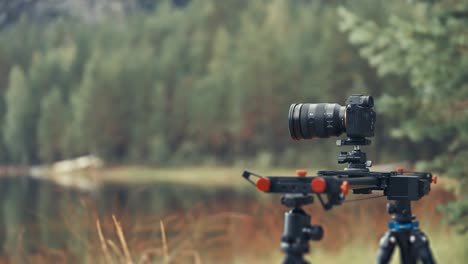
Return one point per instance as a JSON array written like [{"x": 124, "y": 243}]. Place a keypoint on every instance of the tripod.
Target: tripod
[
  {"x": 297, "y": 230},
  {"x": 405, "y": 233}
]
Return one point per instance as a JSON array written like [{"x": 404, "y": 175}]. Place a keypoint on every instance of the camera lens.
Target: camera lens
[{"x": 307, "y": 121}]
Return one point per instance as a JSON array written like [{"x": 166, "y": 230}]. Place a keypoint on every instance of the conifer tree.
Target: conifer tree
[
  {"x": 431, "y": 51},
  {"x": 19, "y": 131},
  {"x": 51, "y": 126}
]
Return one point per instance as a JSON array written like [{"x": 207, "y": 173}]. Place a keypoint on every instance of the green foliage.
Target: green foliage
[
  {"x": 430, "y": 50},
  {"x": 205, "y": 83}
]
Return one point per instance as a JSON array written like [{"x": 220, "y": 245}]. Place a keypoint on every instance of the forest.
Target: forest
[{"x": 175, "y": 83}]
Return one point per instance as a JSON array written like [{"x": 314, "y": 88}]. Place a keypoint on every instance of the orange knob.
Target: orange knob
[
  {"x": 344, "y": 188},
  {"x": 434, "y": 179},
  {"x": 263, "y": 184},
  {"x": 301, "y": 173},
  {"x": 318, "y": 185}
]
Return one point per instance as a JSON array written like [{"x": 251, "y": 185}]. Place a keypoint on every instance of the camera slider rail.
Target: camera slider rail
[{"x": 396, "y": 185}]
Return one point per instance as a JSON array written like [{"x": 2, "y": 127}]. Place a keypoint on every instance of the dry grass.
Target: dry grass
[{"x": 180, "y": 249}]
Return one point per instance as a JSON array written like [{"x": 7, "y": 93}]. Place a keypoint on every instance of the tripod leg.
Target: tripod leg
[
  {"x": 289, "y": 259},
  {"x": 421, "y": 246},
  {"x": 387, "y": 245}
]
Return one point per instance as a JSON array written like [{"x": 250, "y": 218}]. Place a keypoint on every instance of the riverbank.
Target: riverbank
[{"x": 90, "y": 172}]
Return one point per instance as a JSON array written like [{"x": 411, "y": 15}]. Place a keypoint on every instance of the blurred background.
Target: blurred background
[{"x": 125, "y": 124}]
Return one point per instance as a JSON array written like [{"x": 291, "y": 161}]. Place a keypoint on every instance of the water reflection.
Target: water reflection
[{"x": 38, "y": 215}]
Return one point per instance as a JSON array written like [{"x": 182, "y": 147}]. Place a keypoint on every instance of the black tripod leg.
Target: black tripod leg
[
  {"x": 289, "y": 259},
  {"x": 387, "y": 245},
  {"x": 421, "y": 246}
]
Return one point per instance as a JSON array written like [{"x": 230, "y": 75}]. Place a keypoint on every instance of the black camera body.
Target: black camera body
[
  {"x": 357, "y": 118},
  {"x": 360, "y": 116}
]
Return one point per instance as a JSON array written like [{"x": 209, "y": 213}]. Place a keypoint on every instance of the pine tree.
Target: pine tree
[
  {"x": 51, "y": 126},
  {"x": 19, "y": 128},
  {"x": 102, "y": 107},
  {"x": 429, "y": 49}
]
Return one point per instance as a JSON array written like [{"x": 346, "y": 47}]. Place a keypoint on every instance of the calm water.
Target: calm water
[{"x": 37, "y": 214}]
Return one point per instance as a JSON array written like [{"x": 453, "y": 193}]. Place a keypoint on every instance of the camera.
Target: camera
[{"x": 357, "y": 118}]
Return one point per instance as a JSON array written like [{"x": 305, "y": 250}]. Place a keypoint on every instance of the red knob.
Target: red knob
[
  {"x": 301, "y": 173},
  {"x": 344, "y": 188},
  {"x": 434, "y": 179},
  {"x": 318, "y": 185},
  {"x": 400, "y": 170},
  {"x": 263, "y": 184}
]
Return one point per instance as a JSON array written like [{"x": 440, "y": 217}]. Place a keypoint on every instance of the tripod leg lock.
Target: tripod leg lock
[{"x": 403, "y": 226}]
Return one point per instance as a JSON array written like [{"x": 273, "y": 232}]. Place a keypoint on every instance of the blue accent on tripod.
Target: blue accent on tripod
[{"x": 403, "y": 226}]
